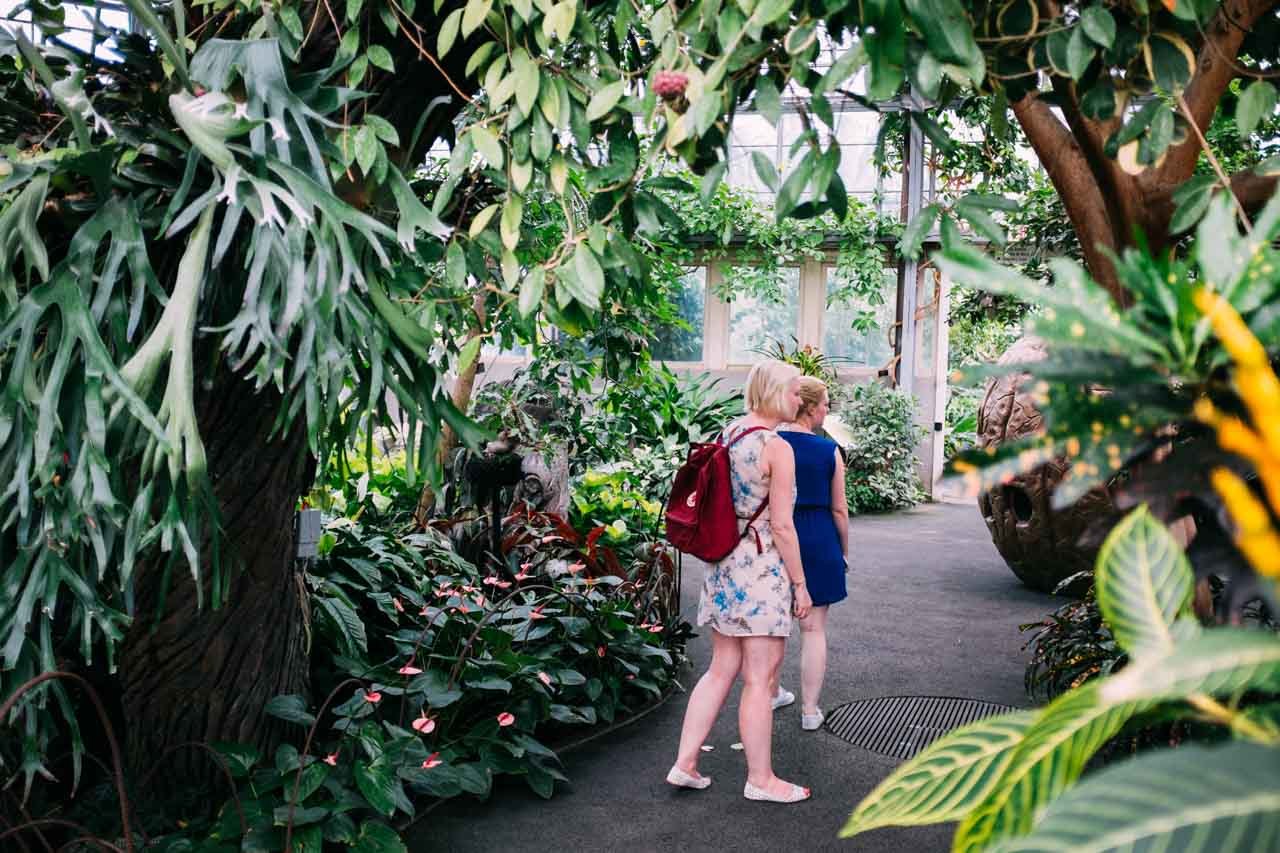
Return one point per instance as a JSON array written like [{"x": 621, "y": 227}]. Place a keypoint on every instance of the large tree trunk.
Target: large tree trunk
[{"x": 204, "y": 675}]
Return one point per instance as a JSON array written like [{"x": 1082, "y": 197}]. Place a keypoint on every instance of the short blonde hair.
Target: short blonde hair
[
  {"x": 812, "y": 390},
  {"x": 767, "y": 386}
]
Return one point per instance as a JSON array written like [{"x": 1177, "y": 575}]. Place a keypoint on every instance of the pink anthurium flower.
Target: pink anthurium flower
[
  {"x": 331, "y": 759},
  {"x": 655, "y": 629},
  {"x": 409, "y": 669},
  {"x": 522, "y": 575},
  {"x": 537, "y": 612},
  {"x": 480, "y": 600},
  {"x": 506, "y": 718},
  {"x": 552, "y": 537},
  {"x": 462, "y": 608},
  {"x": 424, "y": 724},
  {"x": 395, "y": 602},
  {"x": 504, "y": 584},
  {"x": 574, "y": 568},
  {"x": 544, "y": 678},
  {"x": 424, "y": 611},
  {"x": 600, "y": 650},
  {"x": 492, "y": 580},
  {"x": 433, "y": 760},
  {"x": 373, "y": 697}
]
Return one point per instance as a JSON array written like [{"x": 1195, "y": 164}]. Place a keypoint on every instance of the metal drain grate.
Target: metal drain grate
[{"x": 901, "y": 726}]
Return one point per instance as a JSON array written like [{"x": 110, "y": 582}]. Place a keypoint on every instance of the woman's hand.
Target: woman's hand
[{"x": 801, "y": 602}]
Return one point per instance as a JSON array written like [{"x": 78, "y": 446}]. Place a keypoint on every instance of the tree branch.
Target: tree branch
[
  {"x": 1068, "y": 169},
  {"x": 1215, "y": 69}
]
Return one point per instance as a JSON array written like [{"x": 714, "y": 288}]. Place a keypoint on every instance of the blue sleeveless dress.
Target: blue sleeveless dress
[{"x": 819, "y": 541}]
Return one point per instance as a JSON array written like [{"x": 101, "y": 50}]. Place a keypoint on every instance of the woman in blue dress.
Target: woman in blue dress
[{"x": 822, "y": 524}]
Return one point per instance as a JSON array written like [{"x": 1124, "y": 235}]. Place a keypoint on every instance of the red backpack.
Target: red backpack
[{"x": 701, "y": 520}]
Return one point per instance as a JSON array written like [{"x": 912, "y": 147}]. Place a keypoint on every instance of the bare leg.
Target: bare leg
[
  {"x": 761, "y": 659},
  {"x": 813, "y": 658},
  {"x": 707, "y": 699}
]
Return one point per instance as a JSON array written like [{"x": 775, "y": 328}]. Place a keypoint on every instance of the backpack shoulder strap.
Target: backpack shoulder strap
[{"x": 741, "y": 435}]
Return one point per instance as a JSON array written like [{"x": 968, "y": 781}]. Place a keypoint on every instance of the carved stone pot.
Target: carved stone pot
[{"x": 1042, "y": 546}]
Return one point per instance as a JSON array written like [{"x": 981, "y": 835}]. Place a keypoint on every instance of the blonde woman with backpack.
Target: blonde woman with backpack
[{"x": 749, "y": 597}]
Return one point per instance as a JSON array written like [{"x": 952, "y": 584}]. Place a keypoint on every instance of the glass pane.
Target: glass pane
[
  {"x": 927, "y": 327},
  {"x": 856, "y": 328},
  {"x": 759, "y": 318},
  {"x": 672, "y": 343}
]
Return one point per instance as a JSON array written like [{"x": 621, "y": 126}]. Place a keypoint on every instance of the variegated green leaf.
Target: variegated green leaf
[
  {"x": 1143, "y": 582},
  {"x": 1050, "y": 758},
  {"x": 1193, "y": 799},
  {"x": 1221, "y": 661},
  {"x": 944, "y": 782}
]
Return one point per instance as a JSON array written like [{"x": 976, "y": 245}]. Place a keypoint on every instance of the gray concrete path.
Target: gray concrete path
[{"x": 932, "y": 611}]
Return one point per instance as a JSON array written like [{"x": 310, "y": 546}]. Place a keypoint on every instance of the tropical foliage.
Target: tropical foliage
[
  {"x": 880, "y": 462},
  {"x": 1010, "y": 780}
]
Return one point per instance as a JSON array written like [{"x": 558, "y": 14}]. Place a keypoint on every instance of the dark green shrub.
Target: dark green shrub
[{"x": 880, "y": 472}]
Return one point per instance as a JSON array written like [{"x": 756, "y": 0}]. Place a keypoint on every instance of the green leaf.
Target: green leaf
[
  {"x": 526, "y": 74},
  {"x": 913, "y": 236},
  {"x": 589, "y": 274},
  {"x": 486, "y": 142},
  {"x": 1052, "y": 755},
  {"x": 604, "y": 100},
  {"x": 482, "y": 219},
  {"x": 378, "y": 838},
  {"x": 945, "y": 781},
  {"x": 1170, "y": 61},
  {"x": 704, "y": 113},
  {"x": 455, "y": 265},
  {"x": 1194, "y": 799},
  {"x": 1144, "y": 583},
  {"x": 768, "y": 11},
  {"x": 449, "y": 33},
  {"x": 1218, "y": 661},
  {"x": 531, "y": 289},
  {"x": 474, "y": 14},
  {"x": 1256, "y": 102},
  {"x": 939, "y": 137},
  {"x": 768, "y": 101},
  {"x": 982, "y": 222},
  {"x": 1191, "y": 200},
  {"x": 291, "y": 708},
  {"x": 1099, "y": 25},
  {"x": 948, "y": 32},
  {"x": 378, "y": 783},
  {"x": 382, "y": 128},
  {"x": 765, "y": 169},
  {"x": 1079, "y": 53},
  {"x": 381, "y": 57},
  {"x": 800, "y": 37},
  {"x": 509, "y": 222},
  {"x": 467, "y": 356}
]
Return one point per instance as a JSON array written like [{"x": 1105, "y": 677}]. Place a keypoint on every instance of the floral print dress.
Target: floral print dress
[{"x": 747, "y": 594}]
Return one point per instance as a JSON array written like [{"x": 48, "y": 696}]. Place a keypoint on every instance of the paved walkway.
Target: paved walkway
[{"x": 932, "y": 611}]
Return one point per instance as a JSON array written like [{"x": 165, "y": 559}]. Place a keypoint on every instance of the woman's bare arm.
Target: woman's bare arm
[
  {"x": 781, "y": 462},
  {"x": 839, "y": 506}
]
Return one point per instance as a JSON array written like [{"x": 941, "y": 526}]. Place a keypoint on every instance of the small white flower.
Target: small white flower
[
  {"x": 242, "y": 109},
  {"x": 277, "y": 130}
]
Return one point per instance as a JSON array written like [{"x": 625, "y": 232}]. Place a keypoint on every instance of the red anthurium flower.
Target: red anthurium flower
[
  {"x": 492, "y": 580},
  {"x": 424, "y": 611},
  {"x": 433, "y": 760},
  {"x": 544, "y": 678},
  {"x": 462, "y": 608},
  {"x": 373, "y": 697},
  {"x": 504, "y": 584},
  {"x": 424, "y": 724},
  {"x": 506, "y": 719},
  {"x": 655, "y": 629},
  {"x": 550, "y": 538},
  {"x": 574, "y": 568},
  {"x": 409, "y": 669},
  {"x": 537, "y": 613},
  {"x": 395, "y": 602},
  {"x": 600, "y": 651},
  {"x": 331, "y": 759}
]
